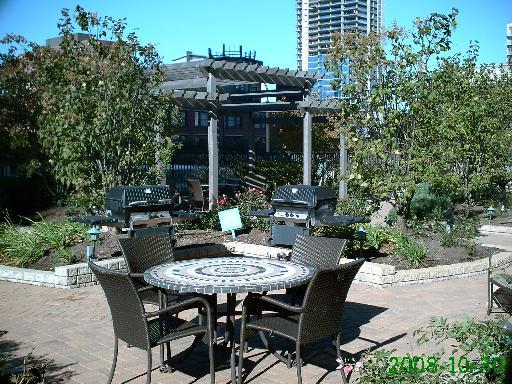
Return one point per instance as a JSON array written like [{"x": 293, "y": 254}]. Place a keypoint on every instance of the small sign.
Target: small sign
[{"x": 230, "y": 220}]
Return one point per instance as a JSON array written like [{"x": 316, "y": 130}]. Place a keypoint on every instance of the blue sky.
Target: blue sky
[{"x": 266, "y": 26}]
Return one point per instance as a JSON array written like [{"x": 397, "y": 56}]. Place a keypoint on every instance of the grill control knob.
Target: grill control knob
[
  {"x": 287, "y": 214},
  {"x": 297, "y": 216}
]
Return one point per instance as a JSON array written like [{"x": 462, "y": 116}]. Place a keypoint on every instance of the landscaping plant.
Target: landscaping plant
[
  {"x": 246, "y": 201},
  {"x": 22, "y": 246},
  {"x": 479, "y": 354},
  {"x": 406, "y": 248}
]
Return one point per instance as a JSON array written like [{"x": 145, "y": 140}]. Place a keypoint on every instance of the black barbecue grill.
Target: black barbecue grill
[
  {"x": 140, "y": 206},
  {"x": 140, "y": 210},
  {"x": 297, "y": 208}
]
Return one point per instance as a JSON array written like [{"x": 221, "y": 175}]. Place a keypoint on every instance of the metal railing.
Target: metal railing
[{"x": 234, "y": 166}]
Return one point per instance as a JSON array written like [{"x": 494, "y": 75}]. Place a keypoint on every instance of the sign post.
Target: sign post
[{"x": 230, "y": 220}]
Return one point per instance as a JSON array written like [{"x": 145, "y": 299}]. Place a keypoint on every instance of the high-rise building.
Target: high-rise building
[
  {"x": 509, "y": 43},
  {"x": 318, "y": 19}
]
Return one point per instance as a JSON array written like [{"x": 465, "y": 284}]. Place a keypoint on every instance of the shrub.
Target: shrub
[
  {"x": 22, "y": 246},
  {"x": 245, "y": 201},
  {"x": 376, "y": 236},
  {"x": 356, "y": 206},
  {"x": 391, "y": 217},
  {"x": 278, "y": 173},
  {"x": 410, "y": 251},
  {"x": 486, "y": 340},
  {"x": 425, "y": 203},
  {"x": 448, "y": 239}
]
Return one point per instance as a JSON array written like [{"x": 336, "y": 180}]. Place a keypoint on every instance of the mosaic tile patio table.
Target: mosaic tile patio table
[{"x": 229, "y": 275}]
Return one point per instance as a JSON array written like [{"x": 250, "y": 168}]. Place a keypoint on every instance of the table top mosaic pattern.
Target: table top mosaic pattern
[{"x": 229, "y": 275}]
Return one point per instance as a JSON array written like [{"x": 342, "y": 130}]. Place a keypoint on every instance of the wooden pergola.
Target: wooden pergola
[{"x": 200, "y": 85}]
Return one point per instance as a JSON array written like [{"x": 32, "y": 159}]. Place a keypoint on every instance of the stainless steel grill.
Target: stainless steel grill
[{"x": 297, "y": 208}]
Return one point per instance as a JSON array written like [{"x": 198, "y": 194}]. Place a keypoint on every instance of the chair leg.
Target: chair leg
[
  {"x": 338, "y": 345},
  {"x": 338, "y": 355},
  {"x": 241, "y": 353},
  {"x": 169, "y": 357},
  {"x": 150, "y": 363},
  {"x": 114, "y": 361},
  {"x": 212, "y": 358},
  {"x": 298, "y": 360},
  {"x": 489, "y": 298},
  {"x": 289, "y": 360}
]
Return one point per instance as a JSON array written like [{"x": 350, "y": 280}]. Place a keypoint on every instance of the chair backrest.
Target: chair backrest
[
  {"x": 145, "y": 252},
  {"x": 319, "y": 252},
  {"x": 324, "y": 299},
  {"x": 125, "y": 306}
]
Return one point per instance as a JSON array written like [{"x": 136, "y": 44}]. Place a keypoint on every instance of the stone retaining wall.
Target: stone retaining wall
[
  {"x": 79, "y": 275},
  {"x": 372, "y": 274},
  {"x": 383, "y": 275}
]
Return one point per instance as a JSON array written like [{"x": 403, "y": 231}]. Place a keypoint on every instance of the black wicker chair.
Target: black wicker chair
[
  {"x": 145, "y": 330},
  {"x": 142, "y": 253},
  {"x": 500, "y": 298},
  {"x": 319, "y": 316},
  {"x": 319, "y": 252}
]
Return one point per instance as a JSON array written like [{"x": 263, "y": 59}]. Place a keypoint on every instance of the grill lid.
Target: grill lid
[
  {"x": 140, "y": 195},
  {"x": 121, "y": 202},
  {"x": 308, "y": 195}
]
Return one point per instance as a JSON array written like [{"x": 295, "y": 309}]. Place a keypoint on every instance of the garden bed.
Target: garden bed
[{"x": 437, "y": 254}]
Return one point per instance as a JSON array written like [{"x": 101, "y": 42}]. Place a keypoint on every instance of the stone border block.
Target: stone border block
[{"x": 371, "y": 274}]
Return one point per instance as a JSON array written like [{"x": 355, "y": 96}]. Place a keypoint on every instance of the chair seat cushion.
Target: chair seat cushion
[{"x": 285, "y": 326}]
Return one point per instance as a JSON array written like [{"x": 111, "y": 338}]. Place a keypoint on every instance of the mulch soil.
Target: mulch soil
[{"x": 436, "y": 253}]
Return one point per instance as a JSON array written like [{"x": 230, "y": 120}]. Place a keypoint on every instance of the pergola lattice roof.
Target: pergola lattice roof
[
  {"x": 226, "y": 72},
  {"x": 192, "y": 77}
]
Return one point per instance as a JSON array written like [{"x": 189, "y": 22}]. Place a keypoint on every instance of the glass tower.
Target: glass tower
[
  {"x": 318, "y": 19},
  {"x": 509, "y": 43}
]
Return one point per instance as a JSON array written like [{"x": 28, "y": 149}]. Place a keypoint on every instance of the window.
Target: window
[
  {"x": 200, "y": 140},
  {"x": 232, "y": 122},
  {"x": 200, "y": 119},
  {"x": 261, "y": 125},
  {"x": 236, "y": 144}
]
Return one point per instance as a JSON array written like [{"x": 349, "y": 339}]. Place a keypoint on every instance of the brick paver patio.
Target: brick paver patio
[{"x": 73, "y": 328}]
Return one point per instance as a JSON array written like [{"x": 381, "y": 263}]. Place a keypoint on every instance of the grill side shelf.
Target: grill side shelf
[
  {"x": 262, "y": 213},
  {"x": 343, "y": 221},
  {"x": 94, "y": 220}
]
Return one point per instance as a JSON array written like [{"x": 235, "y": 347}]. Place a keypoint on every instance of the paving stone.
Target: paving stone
[{"x": 73, "y": 328}]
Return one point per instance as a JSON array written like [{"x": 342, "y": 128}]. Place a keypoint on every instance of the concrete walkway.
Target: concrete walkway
[{"x": 72, "y": 328}]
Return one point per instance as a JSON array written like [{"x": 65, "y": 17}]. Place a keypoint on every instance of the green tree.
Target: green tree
[
  {"x": 469, "y": 133},
  {"x": 413, "y": 113},
  {"x": 104, "y": 120},
  {"x": 19, "y": 101}
]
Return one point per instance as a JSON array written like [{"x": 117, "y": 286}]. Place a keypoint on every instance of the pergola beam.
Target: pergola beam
[
  {"x": 259, "y": 107},
  {"x": 264, "y": 94}
]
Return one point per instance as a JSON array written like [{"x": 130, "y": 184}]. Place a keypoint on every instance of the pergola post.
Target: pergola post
[
  {"x": 307, "y": 145},
  {"x": 213, "y": 150},
  {"x": 267, "y": 138},
  {"x": 342, "y": 193}
]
